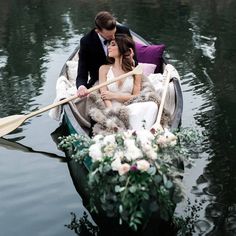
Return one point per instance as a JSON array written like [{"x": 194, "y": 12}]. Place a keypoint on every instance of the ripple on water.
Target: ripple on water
[
  {"x": 196, "y": 191},
  {"x": 215, "y": 211},
  {"x": 230, "y": 221},
  {"x": 213, "y": 190},
  {"x": 202, "y": 226}
]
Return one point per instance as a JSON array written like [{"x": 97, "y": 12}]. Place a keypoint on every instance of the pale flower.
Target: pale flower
[
  {"x": 167, "y": 139},
  {"x": 144, "y": 138},
  {"x": 128, "y": 134},
  {"x": 115, "y": 165},
  {"x": 98, "y": 138},
  {"x": 132, "y": 151},
  {"x": 149, "y": 150},
  {"x": 144, "y": 134},
  {"x": 109, "y": 149},
  {"x": 151, "y": 154},
  {"x": 146, "y": 146},
  {"x": 143, "y": 165},
  {"x": 119, "y": 154},
  {"x": 95, "y": 152},
  {"x": 109, "y": 139},
  {"x": 123, "y": 168}
]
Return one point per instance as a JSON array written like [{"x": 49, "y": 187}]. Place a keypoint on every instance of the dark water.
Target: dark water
[{"x": 36, "y": 37}]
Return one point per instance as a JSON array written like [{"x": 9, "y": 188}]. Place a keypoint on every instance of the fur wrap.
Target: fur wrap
[{"x": 110, "y": 120}]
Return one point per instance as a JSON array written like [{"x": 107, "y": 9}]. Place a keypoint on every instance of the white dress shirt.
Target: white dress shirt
[{"x": 102, "y": 42}]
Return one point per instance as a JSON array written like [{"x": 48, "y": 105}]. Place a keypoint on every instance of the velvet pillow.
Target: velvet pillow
[
  {"x": 150, "y": 54},
  {"x": 148, "y": 68}
]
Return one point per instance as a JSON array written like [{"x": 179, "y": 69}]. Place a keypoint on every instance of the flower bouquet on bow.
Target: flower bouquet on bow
[{"x": 132, "y": 174}]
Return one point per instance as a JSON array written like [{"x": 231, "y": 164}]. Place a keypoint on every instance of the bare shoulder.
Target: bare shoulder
[{"x": 104, "y": 68}]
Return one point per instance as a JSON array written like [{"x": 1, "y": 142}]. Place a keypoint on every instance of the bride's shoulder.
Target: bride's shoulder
[{"x": 104, "y": 68}]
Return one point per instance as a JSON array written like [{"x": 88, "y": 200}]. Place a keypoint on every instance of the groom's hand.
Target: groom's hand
[{"x": 82, "y": 91}]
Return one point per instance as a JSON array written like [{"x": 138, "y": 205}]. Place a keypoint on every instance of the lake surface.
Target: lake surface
[{"x": 36, "y": 37}]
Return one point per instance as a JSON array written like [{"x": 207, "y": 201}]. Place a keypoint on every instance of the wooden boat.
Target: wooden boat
[{"x": 74, "y": 122}]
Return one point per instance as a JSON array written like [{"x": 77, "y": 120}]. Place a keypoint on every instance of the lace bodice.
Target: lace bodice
[{"x": 126, "y": 86}]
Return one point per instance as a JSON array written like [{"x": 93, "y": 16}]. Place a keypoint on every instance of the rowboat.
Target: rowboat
[{"x": 74, "y": 122}]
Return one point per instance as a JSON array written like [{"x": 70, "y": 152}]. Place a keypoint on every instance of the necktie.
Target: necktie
[{"x": 105, "y": 42}]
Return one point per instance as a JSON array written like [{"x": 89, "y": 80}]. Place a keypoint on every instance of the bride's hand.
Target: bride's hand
[{"x": 107, "y": 95}]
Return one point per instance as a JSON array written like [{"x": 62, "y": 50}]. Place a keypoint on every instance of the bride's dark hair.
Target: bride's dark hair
[{"x": 124, "y": 43}]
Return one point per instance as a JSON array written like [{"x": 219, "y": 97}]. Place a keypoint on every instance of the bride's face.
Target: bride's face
[{"x": 113, "y": 50}]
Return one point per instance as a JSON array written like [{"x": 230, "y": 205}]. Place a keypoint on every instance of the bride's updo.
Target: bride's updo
[{"x": 125, "y": 43}]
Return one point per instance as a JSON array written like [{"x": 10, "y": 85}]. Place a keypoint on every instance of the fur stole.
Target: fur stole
[{"x": 110, "y": 120}]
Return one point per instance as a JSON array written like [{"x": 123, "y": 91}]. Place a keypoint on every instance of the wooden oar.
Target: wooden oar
[
  {"x": 157, "y": 125},
  {"x": 10, "y": 123}
]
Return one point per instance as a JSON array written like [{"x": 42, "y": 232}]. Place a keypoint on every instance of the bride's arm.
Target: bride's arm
[
  {"x": 123, "y": 97},
  {"x": 137, "y": 85},
  {"x": 103, "y": 70}
]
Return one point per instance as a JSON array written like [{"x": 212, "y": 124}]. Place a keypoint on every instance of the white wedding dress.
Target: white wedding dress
[{"x": 141, "y": 114}]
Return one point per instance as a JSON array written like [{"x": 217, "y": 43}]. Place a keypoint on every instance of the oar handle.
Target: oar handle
[
  {"x": 158, "y": 120},
  {"x": 41, "y": 110},
  {"x": 136, "y": 70}
]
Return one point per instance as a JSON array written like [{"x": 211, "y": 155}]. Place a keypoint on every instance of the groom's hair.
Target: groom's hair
[{"x": 105, "y": 20}]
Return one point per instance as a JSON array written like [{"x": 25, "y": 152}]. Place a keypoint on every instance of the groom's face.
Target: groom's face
[{"x": 107, "y": 34}]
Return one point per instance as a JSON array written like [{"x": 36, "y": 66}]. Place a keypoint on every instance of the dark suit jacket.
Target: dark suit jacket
[{"x": 92, "y": 56}]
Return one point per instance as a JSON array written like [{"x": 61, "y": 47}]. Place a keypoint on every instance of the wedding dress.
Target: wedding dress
[{"x": 141, "y": 114}]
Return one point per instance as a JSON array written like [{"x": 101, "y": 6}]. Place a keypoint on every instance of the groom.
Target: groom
[{"x": 93, "y": 50}]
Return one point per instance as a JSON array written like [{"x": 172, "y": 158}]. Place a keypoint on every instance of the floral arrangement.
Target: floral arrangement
[{"x": 133, "y": 174}]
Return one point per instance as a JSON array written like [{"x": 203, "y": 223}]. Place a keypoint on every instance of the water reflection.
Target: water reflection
[
  {"x": 83, "y": 226},
  {"x": 200, "y": 38},
  {"x": 11, "y": 144},
  {"x": 105, "y": 227}
]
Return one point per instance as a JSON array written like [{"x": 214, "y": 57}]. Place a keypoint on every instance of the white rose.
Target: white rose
[
  {"x": 143, "y": 165},
  {"x": 151, "y": 154},
  {"x": 109, "y": 139},
  {"x": 146, "y": 146},
  {"x": 98, "y": 138},
  {"x": 144, "y": 138},
  {"x": 115, "y": 165},
  {"x": 95, "y": 152},
  {"x": 119, "y": 154},
  {"x": 128, "y": 134},
  {"x": 123, "y": 168},
  {"x": 149, "y": 150},
  {"x": 132, "y": 151},
  {"x": 144, "y": 134},
  {"x": 167, "y": 138},
  {"x": 109, "y": 149}
]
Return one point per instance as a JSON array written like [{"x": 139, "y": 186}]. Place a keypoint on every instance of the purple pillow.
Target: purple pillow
[{"x": 150, "y": 54}]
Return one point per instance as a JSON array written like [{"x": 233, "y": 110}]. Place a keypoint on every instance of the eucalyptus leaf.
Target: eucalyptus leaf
[
  {"x": 151, "y": 170},
  {"x": 168, "y": 184},
  {"x": 164, "y": 179},
  {"x": 119, "y": 189},
  {"x": 158, "y": 179},
  {"x": 133, "y": 189}
]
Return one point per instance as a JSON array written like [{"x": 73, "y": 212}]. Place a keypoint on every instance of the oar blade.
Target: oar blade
[{"x": 10, "y": 123}]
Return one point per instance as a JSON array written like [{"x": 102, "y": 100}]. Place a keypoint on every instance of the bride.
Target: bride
[{"x": 120, "y": 57}]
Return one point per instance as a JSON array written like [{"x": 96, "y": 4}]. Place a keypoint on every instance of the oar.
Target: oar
[
  {"x": 10, "y": 123},
  {"x": 157, "y": 125}
]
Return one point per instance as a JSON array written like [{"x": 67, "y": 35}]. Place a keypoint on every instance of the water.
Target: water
[{"x": 36, "y": 37}]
